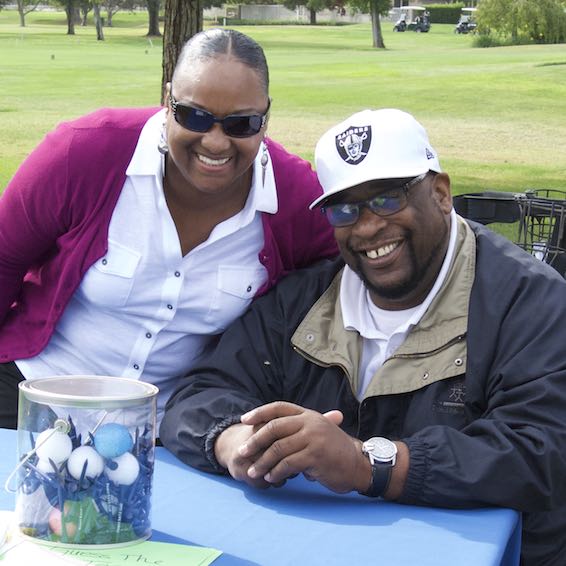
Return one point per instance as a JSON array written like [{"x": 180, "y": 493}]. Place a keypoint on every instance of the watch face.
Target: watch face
[{"x": 380, "y": 448}]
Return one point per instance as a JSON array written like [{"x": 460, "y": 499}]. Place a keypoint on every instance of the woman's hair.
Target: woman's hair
[{"x": 211, "y": 43}]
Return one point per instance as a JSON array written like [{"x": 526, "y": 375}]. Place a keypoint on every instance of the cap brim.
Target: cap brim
[{"x": 345, "y": 186}]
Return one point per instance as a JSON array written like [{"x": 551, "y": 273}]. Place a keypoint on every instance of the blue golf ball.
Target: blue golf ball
[{"x": 112, "y": 440}]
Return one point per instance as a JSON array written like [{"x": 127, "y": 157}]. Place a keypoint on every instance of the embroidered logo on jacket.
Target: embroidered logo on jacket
[
  {"x": 452, "y": 399},
  {"x": 353, "y": 144}
]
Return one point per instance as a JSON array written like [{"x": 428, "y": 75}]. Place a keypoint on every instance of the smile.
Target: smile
[
  {"x": 380, "y": 252},
  {"x": 212, "y": 162}
]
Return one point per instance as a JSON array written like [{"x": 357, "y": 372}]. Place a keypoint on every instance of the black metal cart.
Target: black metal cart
[{"x": 540, "y": 215}]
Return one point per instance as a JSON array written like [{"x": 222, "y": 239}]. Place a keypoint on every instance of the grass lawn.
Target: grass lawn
[{"x": 497, "y": 116}]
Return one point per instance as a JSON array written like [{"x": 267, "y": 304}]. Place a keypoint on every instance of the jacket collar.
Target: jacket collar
[{"x": 322, "y": 338}]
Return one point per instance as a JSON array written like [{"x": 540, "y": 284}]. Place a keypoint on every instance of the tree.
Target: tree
[
  {"x": 85, "y": 6},
  {"x": 183, "y": 19},
  {"x": 24, "y": 8},
  {"x": 153, "y": 11},
  {"x": 70, "y": 11},
  {"x": 376, "y": 8},
  {"x": 541, "y": 21},
  {"x": 313, "y": 6},
  {"x": 114, "y": 6},
  {"x": 97, "y": 20}
]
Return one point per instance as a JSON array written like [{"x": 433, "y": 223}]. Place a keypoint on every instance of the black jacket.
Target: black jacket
[{"x": 492, "y": 432}]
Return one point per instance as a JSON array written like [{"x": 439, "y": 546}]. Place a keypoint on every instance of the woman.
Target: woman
[{"x": 130, "y": 238}]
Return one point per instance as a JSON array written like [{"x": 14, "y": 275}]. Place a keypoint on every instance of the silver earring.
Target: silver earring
[
  {"x": 162, "y": 145},
  {"x": 263, "y": 161}
]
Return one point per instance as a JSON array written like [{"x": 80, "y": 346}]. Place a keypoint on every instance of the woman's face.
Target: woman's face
[{"x": 213, "y": 163}]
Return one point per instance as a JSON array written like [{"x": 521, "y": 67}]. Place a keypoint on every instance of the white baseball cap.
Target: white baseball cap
[{"x": 372, "y": 144}]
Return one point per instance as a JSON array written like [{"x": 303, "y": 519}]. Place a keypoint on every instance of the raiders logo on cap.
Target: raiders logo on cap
[{"x": 353, "y": 144}]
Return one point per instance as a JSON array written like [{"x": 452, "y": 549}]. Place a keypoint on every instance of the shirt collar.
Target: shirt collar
[
  {"x": 147, "y": 160},
  {"x": 263, "y": 192}
]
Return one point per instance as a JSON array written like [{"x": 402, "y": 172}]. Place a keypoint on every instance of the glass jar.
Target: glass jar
[{"x": 86, "y": 454}]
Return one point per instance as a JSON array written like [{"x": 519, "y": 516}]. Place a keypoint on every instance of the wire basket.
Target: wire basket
[
  {"x": 540, "y": 216},
  {"x": 542, "y": 226}
]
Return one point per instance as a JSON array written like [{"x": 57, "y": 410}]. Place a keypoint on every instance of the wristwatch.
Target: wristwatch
[{"x": 382, "y": 454}]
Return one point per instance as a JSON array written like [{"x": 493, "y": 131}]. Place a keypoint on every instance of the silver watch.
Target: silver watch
[{"x": 382, "y": 454}]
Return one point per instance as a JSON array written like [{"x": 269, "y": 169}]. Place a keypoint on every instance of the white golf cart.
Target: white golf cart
[
  {"x": 413, "y": 18},
  {"x": 466, "y": 23}
]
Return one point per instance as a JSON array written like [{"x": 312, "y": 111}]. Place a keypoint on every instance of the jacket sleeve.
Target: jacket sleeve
[
  {"x": 238, "y": 375},
  {"x": 512, "y": 452},
  {"x": 33, "y": 213}
]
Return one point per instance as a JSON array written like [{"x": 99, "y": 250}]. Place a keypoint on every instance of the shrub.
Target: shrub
[
  {"x": 445, "y": 13},
  {"x": 486, "y": 40}
]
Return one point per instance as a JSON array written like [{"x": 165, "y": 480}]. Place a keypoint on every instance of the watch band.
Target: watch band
[{"x": 380, "y": 477}]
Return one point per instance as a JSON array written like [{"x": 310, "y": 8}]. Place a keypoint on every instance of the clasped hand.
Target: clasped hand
[{"x": 280, "y": 440}]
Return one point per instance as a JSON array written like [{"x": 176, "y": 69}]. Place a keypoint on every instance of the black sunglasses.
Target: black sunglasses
[
  {"x": 235, "y": 125},
  {"x": 383, "y": 204}
]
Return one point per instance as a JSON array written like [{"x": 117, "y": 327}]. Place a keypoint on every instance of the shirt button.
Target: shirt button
[
  {"x": 249, "y": 288},
  {"x": 170, "y": 307},
  {"x": 136, "y": 366},
  {"x": 177, "y": 274},
  {"x": 148, "y": 334},
  {"x": 104, "y": 261}
]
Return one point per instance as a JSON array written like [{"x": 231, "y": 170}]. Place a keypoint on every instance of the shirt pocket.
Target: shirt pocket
[
  {"x": 235, "y": 289},
  {"x": 109, "y": 280}
]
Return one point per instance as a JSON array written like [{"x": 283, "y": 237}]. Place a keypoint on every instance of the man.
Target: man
[{"x": 426, "y": 365}]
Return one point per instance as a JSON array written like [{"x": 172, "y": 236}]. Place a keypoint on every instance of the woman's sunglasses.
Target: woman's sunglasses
[
  {"x": 235, "y": 125},
  {"x": 383, "y": 204}
]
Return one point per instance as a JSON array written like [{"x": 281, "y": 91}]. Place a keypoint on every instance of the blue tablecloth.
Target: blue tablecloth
[{"x": 305, "y": 524}]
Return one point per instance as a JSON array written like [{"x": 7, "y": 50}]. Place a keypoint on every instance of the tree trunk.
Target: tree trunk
[
  {"x": 84, "y": 8},
  {"x": 70, "y": 13},
  {"x": 183, "y": 19},
  {"x": 98, "y": 21},
  {"x": 313, "y": 16},
  {"x": 21, "y": 12},
  {"x": 376, "y": 27},
  {"x": 153, "y": 11}
]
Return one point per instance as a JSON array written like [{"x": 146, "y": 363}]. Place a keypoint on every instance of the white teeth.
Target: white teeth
[
  {"x": 208, "y": 161},
  {"x": 380, "y": 252}
]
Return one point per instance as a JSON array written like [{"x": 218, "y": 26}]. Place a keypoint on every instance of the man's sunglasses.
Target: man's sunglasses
[
  {"x": 235, "y": 125},
  {"x": 383, "y": 204}
]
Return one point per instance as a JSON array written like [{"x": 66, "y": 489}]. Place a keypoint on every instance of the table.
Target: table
[{"x": 303, "y": 523}]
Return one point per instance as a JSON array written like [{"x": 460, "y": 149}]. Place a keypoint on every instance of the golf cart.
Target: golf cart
[
  {"x": 466, "y": 23},
  {"x": 413, "y": 18}
]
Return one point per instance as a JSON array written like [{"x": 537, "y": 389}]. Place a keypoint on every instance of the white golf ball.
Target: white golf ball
[
  {"x": 53, "y": 444},
  {"x": 82, "y": 454},
  {"x": 45, "y": 467},
  {"x": 127, "y": 469}
]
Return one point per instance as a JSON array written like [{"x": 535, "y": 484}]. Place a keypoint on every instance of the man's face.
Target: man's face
[{"x": 399, "y": 256}]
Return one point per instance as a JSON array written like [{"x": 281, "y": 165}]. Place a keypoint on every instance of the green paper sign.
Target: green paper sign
[{"x": 142, "y": 554}]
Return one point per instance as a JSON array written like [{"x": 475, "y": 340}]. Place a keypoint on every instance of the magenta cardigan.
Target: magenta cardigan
[{"x": 55, "y": 213}]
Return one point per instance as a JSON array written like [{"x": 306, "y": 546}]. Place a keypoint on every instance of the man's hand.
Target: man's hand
[
  {"x": 228, "y": 456},
  {"x": 291, "y": 440}
]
